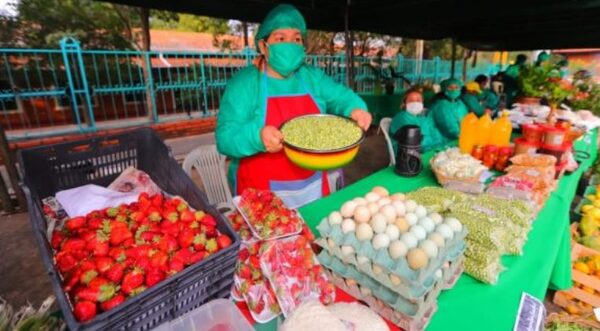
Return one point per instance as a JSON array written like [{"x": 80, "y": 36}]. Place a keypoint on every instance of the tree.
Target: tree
[
  {"x": 42, "y": 23},
  {"x": 320, "y": 42}
]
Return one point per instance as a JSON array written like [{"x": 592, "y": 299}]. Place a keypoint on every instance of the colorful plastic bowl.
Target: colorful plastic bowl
[{"x": 321, "y": 160}]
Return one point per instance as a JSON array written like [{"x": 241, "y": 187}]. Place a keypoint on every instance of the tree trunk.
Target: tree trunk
[
  {"x": 147, "y": 64},
  {"x": 145, "y": 17}
]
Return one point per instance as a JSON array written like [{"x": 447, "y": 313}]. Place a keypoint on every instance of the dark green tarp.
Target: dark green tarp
[{"x": 484, "y": 25}]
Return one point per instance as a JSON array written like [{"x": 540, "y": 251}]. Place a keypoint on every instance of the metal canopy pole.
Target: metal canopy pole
[
  {"x": 349, "y": 48},
  {"x": 453, "y": 58}
]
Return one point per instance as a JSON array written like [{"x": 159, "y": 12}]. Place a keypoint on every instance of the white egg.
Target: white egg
[
  {"x": 397, "y": 249},
  {"x": 417, "y": 258},
  {"x": 389, "y": 212},
  {"x": 362, "y": 214},
  {"x": 362, "y": 259},
  {"x": 445, "y": 231},
  {"x": 410, "y": 205},
  {"x": 383, "y": 202},
  {"x": 360, "y": 201},
  {"x": 364, "y": 232},
  {"x": 335, "y": 218},
  {"x": 372, "y": 197},
  {"x": 373, "y": 208},
  {"x": 438, "y": 274},
  {"x": 420, "y": 211},
  {"x": 398, "y": 197},
  {"x": 382, "y": 191},
  {"x": 429, "y": 247},
  {"x": 395, "y": 280},
  {"x": 378, "y": 223},
  {"x": 411, "y": 219},
  {"x": 392, "y": 232},
  {"x": 418, "y": 231},
  {"x": 437, "y": 238},
  {"x": 399, "y": 207},
  {"x": 365, "y": 291},
  {"x": 427, "y": 224},
  {"x": 348, "y": 209},
  {"x": 409, "y": 240},
  {"x": 377, "y": 269},
  {"x": 331, "y": 243},
  {"x": 347, "y": 250},
  {"x": 454, "y": 224},
  {"x": 348, "y": 225},
  {"x": 381, "y": 240},
  {"x": 436, "y": 218}
]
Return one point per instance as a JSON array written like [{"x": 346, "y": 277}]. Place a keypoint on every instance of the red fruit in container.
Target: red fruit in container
[
  {"x": 96, "y": 294},
  {"x": 187, "y": 216},
  {"x": 115, "y": 273},
  {"x": 113, "y": 302},
  {"x": 75, "y": 224},
  {"x": 98, "y": 281},
  {"x": 132, "y": 280},
  {"x": 73, "y": 244},
  {"x": 85, "y": 311},
  {"x": 103, "y": 264},
  {"x": 186, "y": 238},
  {"x": 175, "y": 266},
  {"x": 157, "y": 200},
  {"x": 65, "y": 261},
  {"x": 223, "y": 241},
  {"x": 208, "y": 220},
  {"x": 159, "y": 260},
  {"x": 198, "y": 256},
  {"x": 183, "y": 255},
  {"x": 154, "y": 277},
  {"x": 168, "y": 244},
  {"x": 57, "y": 239}
]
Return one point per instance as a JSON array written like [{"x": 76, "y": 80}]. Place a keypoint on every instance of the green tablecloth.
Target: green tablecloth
[
  {"x": 381, "y": 106},
  {"x": 472, "y": 305}
]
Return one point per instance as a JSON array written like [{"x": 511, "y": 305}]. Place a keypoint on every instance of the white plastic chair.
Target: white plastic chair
[
  {"x": 210, "y": 165},
  {"x": 384, "y": 125}
]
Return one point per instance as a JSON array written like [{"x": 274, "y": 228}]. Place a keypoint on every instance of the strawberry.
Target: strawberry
[
  {"x": 198, "y": 256},
  {"x": 137, "y": 217},
  {"x": 73, "y": 280},
  {"x": 143, "y": 263},
  {"x": 103, "y": 264},
  {"x": 171, "y": 228},
  {"x": 187, "y": 216},
  {"x": 244, "y": 271},
  {"x": 112, "y": 303},
  {"x": 75, "y": 224},
  {"x": 154, "y": 277},
  {"x": 186, "y": 238},
  {"x": 157, "y": 200},
  {"x": 199, "y": 215},
  {"x": 94, "y": 223},
  {"x": 98, "y": 244},
  {"x": 119, "y": 235},
  {"x": 73, "y": 244},
  {"x": 254, "y": 261},
  {"x": 243, "y": 255},
  {"x": 58, "y": 236},
  {"x": 115, "y": 273},
  {"x": 85, "y": 311},
  {"x": 154, "y": 216},
  {"x": 168, "y": 244},
  {"x": 98, "y": 282},
  {"x": 211, "y": 246},
  {"x": 117, "y": 253},
  {"x": 199, "y": 242},
  {"x": 223, "y": 241},
  {"x": 138, "y": 290},
  {"x": 132, "y": 280},
  {"x": 150, "y": 236},
  {"x": 209, "y": 231},
  {"x": 97, "y": 294},
  {"x": 159, "y": 260},
  {"x": 183, "y": 255},
  {"x": 170, "y": 215},
  {"x": 181, "y": 206},
  {"x": 122, "y": 218},
  {"x": 65, "y": 261},
  {"x": 175, "y": 266},
  {"x": 208, "y": 220}
]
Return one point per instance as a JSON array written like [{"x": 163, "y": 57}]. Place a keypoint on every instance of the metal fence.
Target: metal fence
[{"x": 58, "y": 91}]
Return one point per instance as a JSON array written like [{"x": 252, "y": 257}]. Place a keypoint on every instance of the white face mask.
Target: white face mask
[{"x": 414, "y": 108}]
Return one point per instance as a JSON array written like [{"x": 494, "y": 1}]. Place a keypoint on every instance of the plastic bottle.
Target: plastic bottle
[
  {"x": 468, "y": 133},
  {"x": 501, "y": 131},
  {"x": 484, "y": 130}
]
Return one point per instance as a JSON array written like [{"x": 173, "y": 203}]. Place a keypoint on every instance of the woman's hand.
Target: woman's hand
[
  {"x": 362, "y": 117},
  {"x": 272, "y": 138}
]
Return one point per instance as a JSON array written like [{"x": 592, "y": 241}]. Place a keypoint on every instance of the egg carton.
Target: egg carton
[
  {"x": 405, "y": 322},
  {"x": 413, "y": 278},
  {"x": 409, "y": 307},
  {"x": 409, "y": 290}
]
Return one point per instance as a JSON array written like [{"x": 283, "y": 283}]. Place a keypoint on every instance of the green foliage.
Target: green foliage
[
  {"x": 544, "y": 82},
  {"x": 586, "y": 95}
]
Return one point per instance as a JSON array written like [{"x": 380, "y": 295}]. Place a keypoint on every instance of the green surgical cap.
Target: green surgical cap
[
  {"x": 543, "y": 56},
  {"x": 283, "y": 16},
  {"x": 447, "y": 82}
]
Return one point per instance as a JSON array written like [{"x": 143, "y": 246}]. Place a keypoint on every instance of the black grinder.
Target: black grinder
[{"x": 408, "y": 155}]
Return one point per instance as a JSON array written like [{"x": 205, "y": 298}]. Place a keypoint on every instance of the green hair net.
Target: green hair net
[
  {"x": 283, "y": 16},
  {"x": 447, "y": 82},
  {"x": 543, "y": 56}
]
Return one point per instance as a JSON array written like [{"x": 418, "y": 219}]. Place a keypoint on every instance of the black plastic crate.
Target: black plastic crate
[{"x": 50, "y": 169}]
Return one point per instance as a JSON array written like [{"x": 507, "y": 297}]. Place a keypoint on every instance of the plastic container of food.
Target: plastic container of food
[
  {"x": 503, "y": 155},
  {"x": 524, "y": 146},
  {"x": 532, "y": 132},
  {"x": 556, "y": 151},
  {"x": 553, "y": 136},
  {"x": 490, "y": 156},
  {"x": 217, "y": 315}
]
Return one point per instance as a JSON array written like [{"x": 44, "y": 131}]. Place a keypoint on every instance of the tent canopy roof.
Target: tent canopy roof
[{"x": 483, "y": 25}]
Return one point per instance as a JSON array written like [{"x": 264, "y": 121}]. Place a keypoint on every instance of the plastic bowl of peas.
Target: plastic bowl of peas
[{"x": 321, "y": 141}]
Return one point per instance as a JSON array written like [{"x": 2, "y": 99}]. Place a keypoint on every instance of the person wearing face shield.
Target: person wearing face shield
[
  {"x": 413, "y": 113},
  {"x": 277, "y": 87},
  {"x": 448, "y": 110}
]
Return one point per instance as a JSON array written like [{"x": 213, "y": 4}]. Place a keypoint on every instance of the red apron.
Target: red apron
[{"x": 274, "y": 171}]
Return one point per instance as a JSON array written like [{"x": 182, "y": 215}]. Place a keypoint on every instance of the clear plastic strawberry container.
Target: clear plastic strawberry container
[
  {"x": 217, "y": 315},
  {"x": 295, "y": 273}
]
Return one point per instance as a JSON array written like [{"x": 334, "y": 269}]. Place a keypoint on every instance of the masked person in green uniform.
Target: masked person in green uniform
[
  {"x": 278, "y": 86},
  {"x": 472, "y": 98},
  {"x": 488, "y": 97},
  {"x": 413, "y": 113},
  {"x": 542, "y": 58},
  {"x": 511, "y": 88},
  {"x": 448, "y": 110}
]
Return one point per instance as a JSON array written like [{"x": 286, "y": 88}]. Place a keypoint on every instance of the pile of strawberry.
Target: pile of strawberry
[
  {"x": 268, "y": 215},
  {"x": 116, "y": 253},
  {"x": 240, "y": 226},
  {"x": 295, "y": 274}
]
